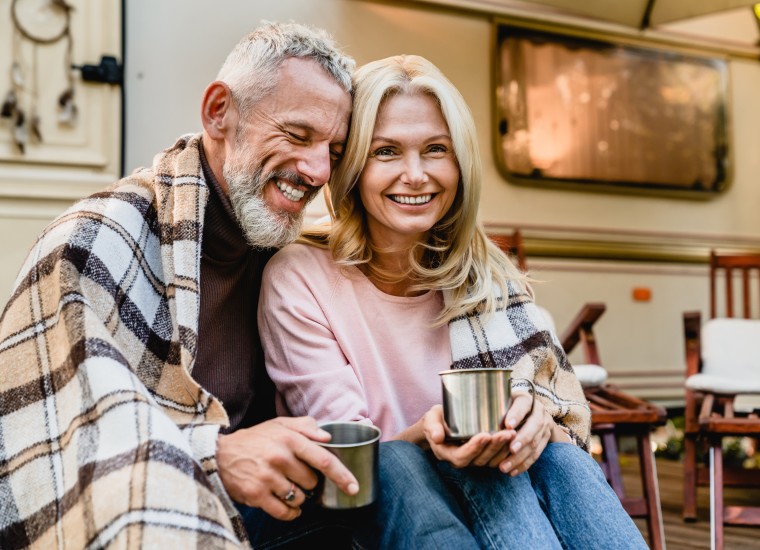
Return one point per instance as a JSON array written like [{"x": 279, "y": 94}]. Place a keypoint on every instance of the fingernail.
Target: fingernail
[
  {"x": 353, "y": 488},
  {"x": 516, "y": 446},
  {"x": 506, "y": 467},
  {"x": 322, "y": 433}
]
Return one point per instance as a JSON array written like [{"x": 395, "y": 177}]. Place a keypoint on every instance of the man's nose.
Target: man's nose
[{"x": 314, "y": 165}]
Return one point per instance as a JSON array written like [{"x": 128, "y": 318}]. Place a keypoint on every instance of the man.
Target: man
[{"x": 130, "y": 341}]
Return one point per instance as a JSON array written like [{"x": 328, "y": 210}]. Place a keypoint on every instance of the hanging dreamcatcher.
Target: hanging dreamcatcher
[{"x": 41, "y": 22}]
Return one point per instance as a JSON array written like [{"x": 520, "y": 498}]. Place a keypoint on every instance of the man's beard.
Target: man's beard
[{"x": 263, "y": 227}]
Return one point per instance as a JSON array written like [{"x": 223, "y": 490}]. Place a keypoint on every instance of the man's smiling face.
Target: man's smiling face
[{"x": 284, "y": 151}]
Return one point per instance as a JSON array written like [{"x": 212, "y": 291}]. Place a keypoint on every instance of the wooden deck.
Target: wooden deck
[{"x": 680, "y": 535}]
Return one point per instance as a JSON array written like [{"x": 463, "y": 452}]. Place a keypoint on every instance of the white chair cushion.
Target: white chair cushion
[
  {"x": 730, "y": 349},
  {"x": 590, "y": 376},
  {"x": 723, "y": 384},
  {"x": 747, "y": 403}
]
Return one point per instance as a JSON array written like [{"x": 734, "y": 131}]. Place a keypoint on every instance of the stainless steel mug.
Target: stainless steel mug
[
  {"x": 356, "y": 445},
  {"x": 476, "y": 400}
]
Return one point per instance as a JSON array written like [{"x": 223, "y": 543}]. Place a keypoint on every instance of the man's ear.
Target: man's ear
[{"x": 218, "y": 112}]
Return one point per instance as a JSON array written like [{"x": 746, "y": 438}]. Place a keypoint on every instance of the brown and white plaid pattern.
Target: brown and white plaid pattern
[
  {"x": 518, "y": 337},
  {"x": 105, "y": 439}
]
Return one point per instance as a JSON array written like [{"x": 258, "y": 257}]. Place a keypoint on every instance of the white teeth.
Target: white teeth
[
  {"x": 290, "y": 193},
  {"x": 405, "y": 199}
]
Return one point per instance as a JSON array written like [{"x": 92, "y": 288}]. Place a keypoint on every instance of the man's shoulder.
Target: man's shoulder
[
  {"x": 128, "y": 197},
  {"x": 119, "y": 218}
]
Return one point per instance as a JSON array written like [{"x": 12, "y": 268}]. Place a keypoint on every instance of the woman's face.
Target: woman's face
[{"x": 411, "y": 175}]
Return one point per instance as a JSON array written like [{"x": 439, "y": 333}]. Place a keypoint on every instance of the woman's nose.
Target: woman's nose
[{"x": 414, "y": 171}]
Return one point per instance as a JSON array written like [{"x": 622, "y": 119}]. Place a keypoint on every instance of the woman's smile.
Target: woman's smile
[{"x": 412, "y": 200}]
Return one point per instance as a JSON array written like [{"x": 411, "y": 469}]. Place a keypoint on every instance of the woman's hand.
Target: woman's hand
[
  {"x": 482, "y": 449},
  {"x": 532, "y": 437}
]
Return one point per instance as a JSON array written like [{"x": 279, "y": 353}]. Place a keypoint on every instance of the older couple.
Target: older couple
[{"x": 151, "y": 395}]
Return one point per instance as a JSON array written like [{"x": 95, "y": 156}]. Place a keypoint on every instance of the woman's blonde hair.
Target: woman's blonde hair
[{"x": 457, "y": 256}]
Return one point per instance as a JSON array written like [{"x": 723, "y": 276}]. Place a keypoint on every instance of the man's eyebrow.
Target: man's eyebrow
[{"x": 300, "y": 124}]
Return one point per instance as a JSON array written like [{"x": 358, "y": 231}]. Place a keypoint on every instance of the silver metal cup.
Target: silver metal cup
[
  {"x": 356, "y": 445},
  {"x": 475, "y": 401}
]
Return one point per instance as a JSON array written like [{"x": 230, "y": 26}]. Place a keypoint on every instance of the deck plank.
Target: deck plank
[{"x": 680, "y": 535}]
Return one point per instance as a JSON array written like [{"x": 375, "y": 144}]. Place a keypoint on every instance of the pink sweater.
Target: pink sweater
[{"x": 337, "y": 348}]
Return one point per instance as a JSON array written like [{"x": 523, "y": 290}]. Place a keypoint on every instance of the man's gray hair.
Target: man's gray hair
[{"x": 250, "y": 68}]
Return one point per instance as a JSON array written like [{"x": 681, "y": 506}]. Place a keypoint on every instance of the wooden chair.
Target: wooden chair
[
  {"x": 722, "y": 362},
  {"x": 614, "y": 413}
]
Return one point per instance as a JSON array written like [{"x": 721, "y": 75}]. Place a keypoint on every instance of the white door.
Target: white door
[{"x": 60, "y": 136}]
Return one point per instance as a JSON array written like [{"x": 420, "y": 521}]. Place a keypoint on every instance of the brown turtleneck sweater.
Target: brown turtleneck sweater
[{"x": 230, "y": 361}]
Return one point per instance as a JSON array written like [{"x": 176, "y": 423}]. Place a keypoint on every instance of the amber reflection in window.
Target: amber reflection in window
[{"x": 593, "y": 112}]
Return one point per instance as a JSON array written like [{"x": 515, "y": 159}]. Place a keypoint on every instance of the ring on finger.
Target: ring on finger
[{"x": 291, "y": 496}]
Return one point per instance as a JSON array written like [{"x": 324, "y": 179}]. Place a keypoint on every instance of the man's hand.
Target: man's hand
[{"x": 261, "y": 465}]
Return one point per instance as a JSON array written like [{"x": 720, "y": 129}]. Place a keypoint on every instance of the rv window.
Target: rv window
[{"x": 588, "y": 113}]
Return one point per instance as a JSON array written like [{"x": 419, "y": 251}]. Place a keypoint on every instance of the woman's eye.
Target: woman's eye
[
  {"x": 296, "y": 137},
  {"x": 383, "y": 152},
  {"x": 438, "y": 149}
]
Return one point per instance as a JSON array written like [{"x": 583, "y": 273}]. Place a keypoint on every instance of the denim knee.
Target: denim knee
[
  {"x": 562, "y": 456},
  {"x": 395, "y": 453},
  {"x": 584, "y": 510},
  {"x": 416, "y": 509}
]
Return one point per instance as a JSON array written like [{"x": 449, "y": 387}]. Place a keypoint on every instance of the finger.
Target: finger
[
  {"x": 530, "y": 428},
  {"x": 306, "y": 426},
  {"x": 528, "y": 461},
  {"x": 324, "y": 461},
  {"x": 462, "y": 455},
  {"x": 514, "y": 462},
  {"x": 434, "y": 425},
  {"x": 497, "y": 447},
  {"x": 311, "y": 454},
  {"x": 293, "y": 496},
  {"x": 276, "y": 508},
  {"x": 300, "y": 473},
  {"x": 498, "y": 458},
  {"x": 502, "y": 450},
  {"x": 518, "y": 410},
  {"x": 521, "y": 459}
]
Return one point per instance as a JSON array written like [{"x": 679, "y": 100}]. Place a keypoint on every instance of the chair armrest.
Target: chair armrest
[
  {"x": 692, "y": 327},
  {"x": 582, "y": 325}
]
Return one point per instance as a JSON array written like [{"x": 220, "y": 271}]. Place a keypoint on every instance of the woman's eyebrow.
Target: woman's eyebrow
[{"x": 392, "y": 140}]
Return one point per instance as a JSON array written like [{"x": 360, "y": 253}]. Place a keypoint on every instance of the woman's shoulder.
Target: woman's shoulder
[{"x": 301, "y": 257}]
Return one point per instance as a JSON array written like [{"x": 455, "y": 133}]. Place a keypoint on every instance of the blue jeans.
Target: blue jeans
[{"x": 563, "y": 501}]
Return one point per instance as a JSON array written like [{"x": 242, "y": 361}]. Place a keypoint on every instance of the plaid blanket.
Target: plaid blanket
[
  {"x": 105, "y": 439},
  {"x": 518, "y": 337}
]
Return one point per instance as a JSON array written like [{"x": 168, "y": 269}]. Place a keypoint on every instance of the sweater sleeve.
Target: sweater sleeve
[{"x": 303, "y": 356}]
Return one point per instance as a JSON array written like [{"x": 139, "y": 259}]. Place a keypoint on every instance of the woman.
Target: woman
[{"x": 358, "y": 318}]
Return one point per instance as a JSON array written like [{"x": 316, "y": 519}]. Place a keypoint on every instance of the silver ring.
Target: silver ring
[{"x": 291, "y": 496}]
